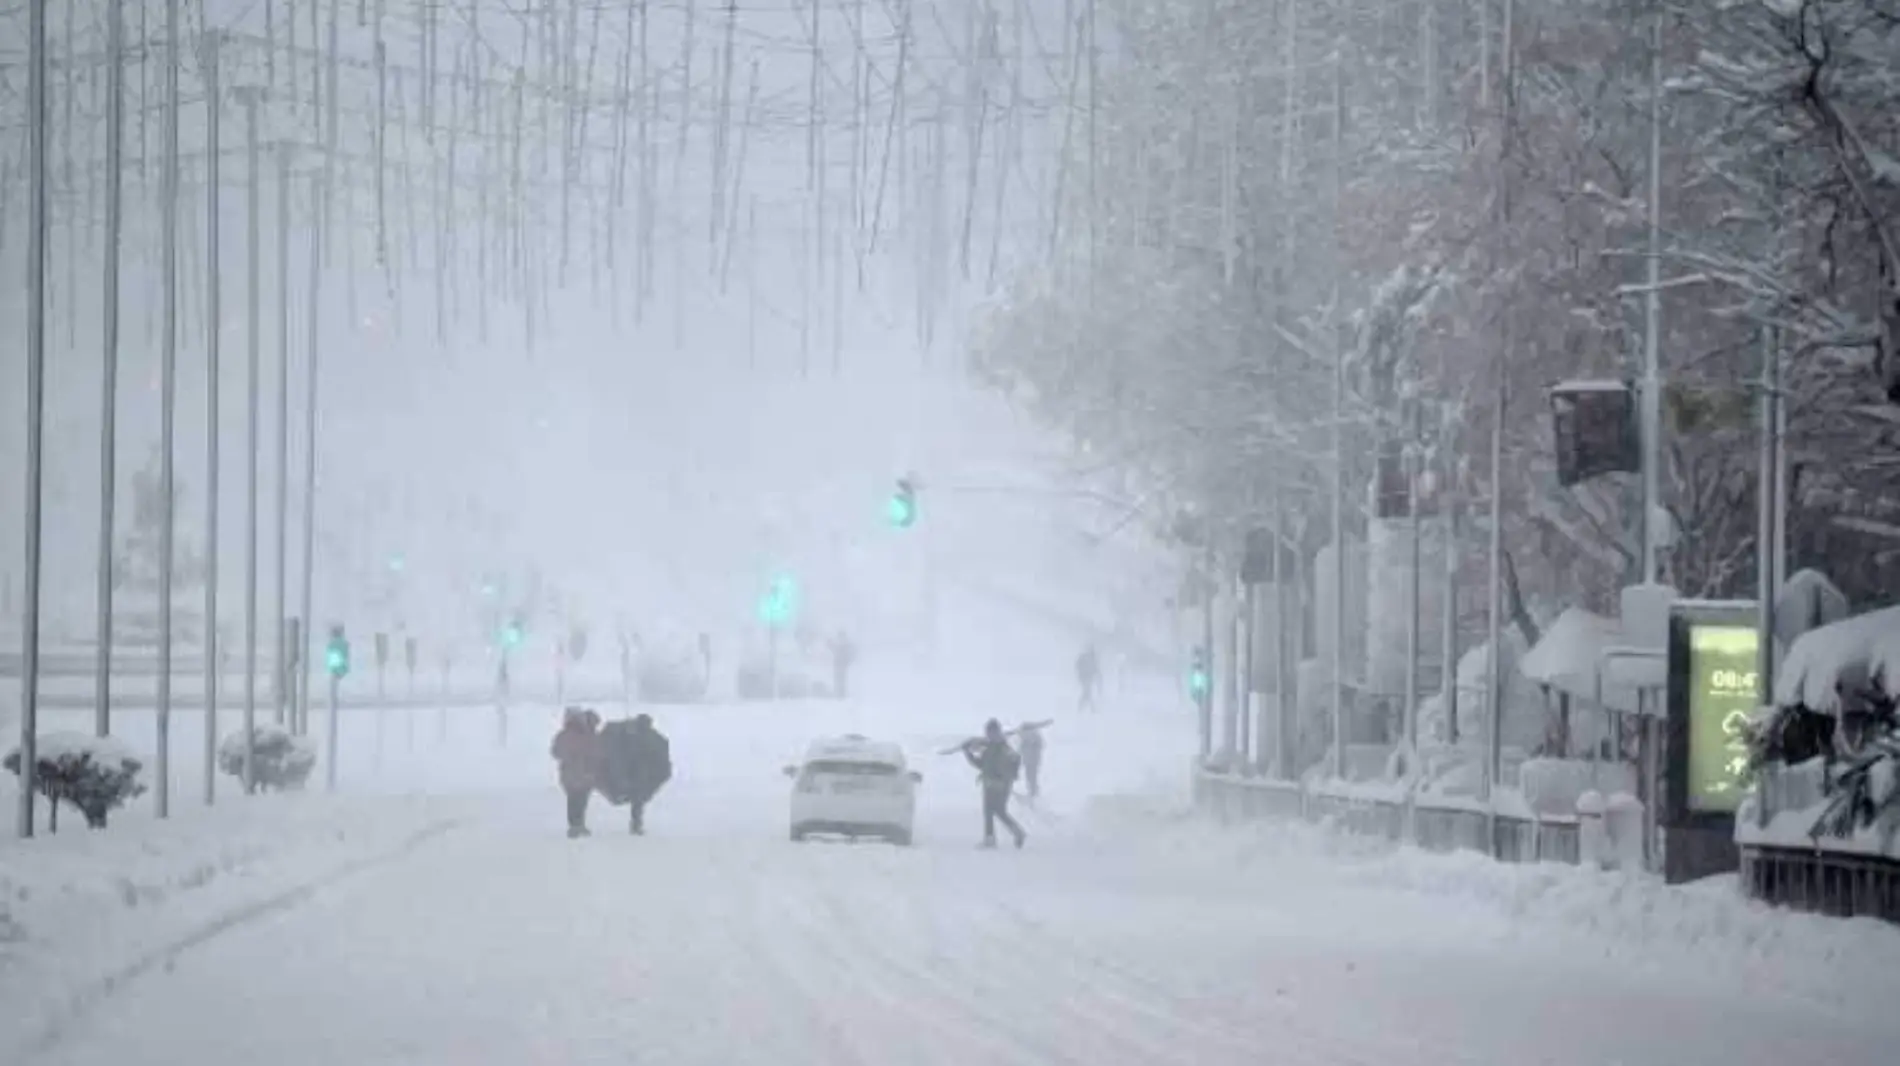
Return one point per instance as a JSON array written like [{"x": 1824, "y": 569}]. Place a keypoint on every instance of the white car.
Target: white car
[{"x": 853, "y": 787}]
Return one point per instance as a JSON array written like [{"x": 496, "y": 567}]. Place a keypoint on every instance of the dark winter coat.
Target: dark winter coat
[
  {"x": 996, "y": 763},
  {"x": 1031, "y": 741},
  {"x": 576, "y": 749},
  {"x": 637, "y": 761}
]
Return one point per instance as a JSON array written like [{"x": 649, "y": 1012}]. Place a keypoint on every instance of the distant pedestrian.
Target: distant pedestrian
[
  {"x": 1088, "y": 677},
  {"x": 576, "y": 751},
  {"x": 638, "y": 761},
  {"x": 996, "y": 764},
  {"x": 843, "y": 655},
  {"x": 1029, "y": 743}
]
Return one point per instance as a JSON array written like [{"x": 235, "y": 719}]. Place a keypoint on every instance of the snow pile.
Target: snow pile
[
  {"x": 79, "y": 908},
  {"x": 1553, "y": 786},
  {"x": 1634, "y": 920},
  {"x": 1570, "y": 655},
  {"x": 1837, "y": 661}
]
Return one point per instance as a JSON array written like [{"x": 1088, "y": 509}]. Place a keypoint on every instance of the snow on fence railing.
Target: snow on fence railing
[{"x": 1508, "y": 830}]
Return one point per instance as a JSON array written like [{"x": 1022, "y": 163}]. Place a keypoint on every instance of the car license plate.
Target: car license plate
[{"x": 852, "y": 785}]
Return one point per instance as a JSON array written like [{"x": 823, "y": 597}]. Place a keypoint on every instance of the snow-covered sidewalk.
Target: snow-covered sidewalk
[
  {"x": 1703, "y": 934},
  {"x": 81, "y": 910}
]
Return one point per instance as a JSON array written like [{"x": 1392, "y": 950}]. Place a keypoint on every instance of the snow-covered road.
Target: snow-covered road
[{"x": 1125, "y": 933}]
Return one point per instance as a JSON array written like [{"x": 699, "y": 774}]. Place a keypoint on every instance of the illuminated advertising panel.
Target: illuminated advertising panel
[{"x": 1723, "y": 691}]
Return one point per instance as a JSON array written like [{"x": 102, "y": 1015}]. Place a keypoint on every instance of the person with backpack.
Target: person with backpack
[
  {"x": 576, "y": 751},
  {"x": 638, "y": 761},
  {"x": 996, "y": 764}
]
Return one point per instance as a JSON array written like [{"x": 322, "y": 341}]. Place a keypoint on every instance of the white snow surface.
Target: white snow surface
[
  {"x": 434, "y": 911},
  {"x": 1570, "y": 653},
  {"x": 1129, "y": 931},
  {"x": 1848, "y": 655},
  {"x": 69, "y": 744}
]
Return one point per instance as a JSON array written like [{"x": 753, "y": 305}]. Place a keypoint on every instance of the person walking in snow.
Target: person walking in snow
[
  {"x": 843, "y": 654},
  {"x": 1088, "y": 677},
  {"x": 996, "y": 764},
  {"x": 576, "y": 752},
  {"x": 1029, "y": 743},
  {"x": 639, "y": 760}
]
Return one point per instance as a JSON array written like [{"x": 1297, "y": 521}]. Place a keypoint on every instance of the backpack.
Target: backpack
[{"x": 1008, "y": 762}]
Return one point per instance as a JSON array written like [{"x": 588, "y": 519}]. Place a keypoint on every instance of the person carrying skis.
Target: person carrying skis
[
  {"x": 1029, "y": 742},
  {"x": 996, "y": 764},
  {"x": 576, "y": 751},
  {"x": 1088, "y": 677},
  {"x": 639, "y": 761}
]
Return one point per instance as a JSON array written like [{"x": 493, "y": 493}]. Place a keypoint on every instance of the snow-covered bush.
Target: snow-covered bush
[
  {"x": 1866, "y": 790},
  {"x": 280, "y": 759},
  {"x": 1788, "y": 736},
  {"x": 94, "y": 774}
]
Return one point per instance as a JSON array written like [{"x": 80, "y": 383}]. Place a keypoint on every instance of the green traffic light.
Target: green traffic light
[
  {"x": 780, "y": 603},
  {"x": 901, "y": 511},
  {"x": 336, "y": 659},
  {"x": 511, "y": 637},
  {"x": 1198, "y": 683}
]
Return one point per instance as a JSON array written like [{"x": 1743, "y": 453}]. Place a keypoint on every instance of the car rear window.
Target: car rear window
[{"x": 838, "y": 766}]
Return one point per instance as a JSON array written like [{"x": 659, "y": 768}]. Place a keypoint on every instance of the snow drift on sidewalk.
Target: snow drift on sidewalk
[
  {"x": 80, "y": 906},
  {"x": 1686, "y": 932}
]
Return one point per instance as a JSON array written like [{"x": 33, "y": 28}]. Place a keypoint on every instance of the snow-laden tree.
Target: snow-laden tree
[{"x": 1447, "y": 198}]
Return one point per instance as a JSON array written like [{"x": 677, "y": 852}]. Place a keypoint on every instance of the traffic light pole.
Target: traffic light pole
[
  {"x": 501, "y": 701},
  {"x": 1230, "y": 672},
  {"x": 1205, "y": 701},
  {"x": 409, "y": 710},
  {"x": 330, "y": 737},
  {"x": 382, "y": 710},
  {"x": 442, "y": 707}
]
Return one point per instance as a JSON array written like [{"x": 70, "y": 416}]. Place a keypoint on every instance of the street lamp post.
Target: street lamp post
[
  {"x": 109, "y": 386},
  {"x": 168, "y": 395},
  {"x": 35, "y": 410},
  {"x": 251, "y": 96},
  {"x": 214, "y": 321}
]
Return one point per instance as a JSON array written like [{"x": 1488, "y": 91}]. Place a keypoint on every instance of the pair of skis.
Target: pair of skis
[{"x": 1007, "y": 733}]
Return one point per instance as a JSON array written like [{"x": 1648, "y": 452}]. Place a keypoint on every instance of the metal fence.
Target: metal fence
[
  {"x": 1818, "y": 878},
  {"x": 1835, "y": 883},
  {"x": 1233, "y": 798}
]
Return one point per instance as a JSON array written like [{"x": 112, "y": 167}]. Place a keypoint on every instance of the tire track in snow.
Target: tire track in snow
[
  {"x": 1087, "y": 1017},
  {"x": 847, "y": 936},
  {"x": 95, "y": 993},
  {"x": 1286, "y": 1019}
]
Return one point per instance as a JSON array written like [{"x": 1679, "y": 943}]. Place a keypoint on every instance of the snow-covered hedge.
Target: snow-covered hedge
[
  {"x": 1838, "y": 709},
  {"x": 280, "y": 759},
  {"x": 95, "y": 774},
  {"x": 1865, "y": 791}
]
